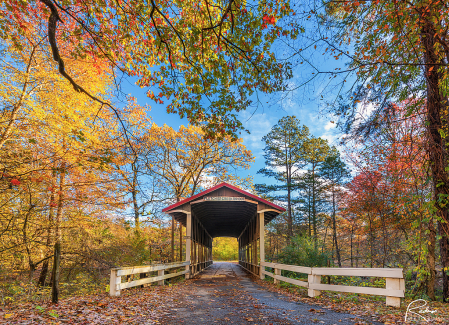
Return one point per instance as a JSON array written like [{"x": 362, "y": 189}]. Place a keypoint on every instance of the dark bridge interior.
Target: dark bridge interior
[{"x": 224, "y": 218}]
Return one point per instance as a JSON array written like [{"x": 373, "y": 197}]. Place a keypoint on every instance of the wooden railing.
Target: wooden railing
[
  {"x": 198, "y": 267},
  {"x": 394, "y": 280},
  {"x": 252, "y": 268},
  {"x": 116, "y": 283}
]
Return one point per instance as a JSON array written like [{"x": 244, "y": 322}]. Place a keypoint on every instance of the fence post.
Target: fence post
[
  {"x": 160, "y": 273},
  {"x": 276, "y": 272},
  {"x": 114, "y": 284},
  {"x": 394, "y": 284},
  {"x": 313, "y": 279}
]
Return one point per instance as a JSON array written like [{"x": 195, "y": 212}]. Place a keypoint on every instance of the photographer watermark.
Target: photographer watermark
[{"x": 419, "y": 308}]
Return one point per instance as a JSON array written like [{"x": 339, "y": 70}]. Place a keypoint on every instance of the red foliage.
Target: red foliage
[{"x": 15, "y": 181}]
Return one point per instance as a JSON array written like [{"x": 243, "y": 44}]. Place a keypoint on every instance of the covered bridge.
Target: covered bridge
[{"x": 224, "y": 211}]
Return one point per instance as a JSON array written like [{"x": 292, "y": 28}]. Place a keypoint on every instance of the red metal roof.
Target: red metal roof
[{"x": 216, "y": 187}]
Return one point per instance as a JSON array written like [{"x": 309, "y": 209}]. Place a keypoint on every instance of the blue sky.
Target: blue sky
[{"x": 259, "y": 122}]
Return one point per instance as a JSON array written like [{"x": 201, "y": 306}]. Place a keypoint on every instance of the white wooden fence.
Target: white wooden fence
[
  {"x": 394, "y": 280},
  {"x": 116, "y": 284}
]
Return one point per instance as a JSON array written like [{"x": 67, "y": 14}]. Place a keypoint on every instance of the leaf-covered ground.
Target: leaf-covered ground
[
  {"x": 135, "y": 306},
  {"x": 223, "y": 294}
]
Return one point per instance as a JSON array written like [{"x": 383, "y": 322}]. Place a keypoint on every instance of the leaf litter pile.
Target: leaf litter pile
[{"x": 135, "y": 306}]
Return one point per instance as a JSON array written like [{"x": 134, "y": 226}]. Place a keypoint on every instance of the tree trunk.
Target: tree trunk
[
  {"x": 444, "y": 248},
  {"x": 371, "y": 242},
  {"x": 55, "y": 273},
  {"x": 31, "y": 264},
  {"x": 180, "y": 243},
  {"x": 436, "y": 144},
  {"x": 324, "y": 241},
  {"x": 44, "y": 271},
  {"x": 43, "y": 275},
  {"x": 333, "y": 245},
  {"x": 289, "y": 218},
  {"x": 134, "y": 195},
  {"x": 352, "y": 235},
  {"x": 288, "y": 169},
  {"x": 334, "y": 225},
  {"x": 315, "y": 235},
  {"x": 57, "y": 254},
  {"x": 309, "y": 215},
  {"x": 385, "y": 239},
  {"x": 431, "y": 261}
]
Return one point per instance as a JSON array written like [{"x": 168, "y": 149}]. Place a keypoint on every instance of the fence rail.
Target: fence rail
[
  {"x": 116, "y": 284},
  {"x": 252, "y": 268},
  {"x": 394, "y": 280},
  {"x": 196, "y": 268}
]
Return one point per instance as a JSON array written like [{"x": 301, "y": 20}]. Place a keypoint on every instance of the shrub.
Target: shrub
[{"x": 301, "y": 251}]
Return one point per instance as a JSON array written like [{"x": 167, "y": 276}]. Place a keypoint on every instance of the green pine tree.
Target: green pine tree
[
  {"x": 285, "y": 156},
  {"x": 317, "y": 150},
  {"x": 334, "y": 172}
]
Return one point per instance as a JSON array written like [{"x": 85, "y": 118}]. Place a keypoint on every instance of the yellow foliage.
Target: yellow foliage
[{"x": 225, "y": 249}]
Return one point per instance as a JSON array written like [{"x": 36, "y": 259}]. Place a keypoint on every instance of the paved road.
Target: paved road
[{"x": 225, "y": 294}]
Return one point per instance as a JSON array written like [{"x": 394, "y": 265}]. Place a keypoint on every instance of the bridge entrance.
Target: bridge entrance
[{"x": 224, "y": 211}]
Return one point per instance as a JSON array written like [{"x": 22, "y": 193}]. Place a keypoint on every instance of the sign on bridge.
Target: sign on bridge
[{"x": 223, "y": 198}]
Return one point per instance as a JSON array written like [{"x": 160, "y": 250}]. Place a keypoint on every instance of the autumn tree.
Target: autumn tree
[
  {"x": 145, "y": 191},
  {"x": 391, "y": 192},
  {"x": 54, "y": 154},
  {"x": 185, "y": 160},
  {"x": 210, "y": 56},
  {"x": 225, "y": 249},
  {"x": 400, "y": 52}
]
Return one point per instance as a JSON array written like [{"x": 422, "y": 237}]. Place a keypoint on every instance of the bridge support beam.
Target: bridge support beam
[
  {"x": 261, "y": 244},
  {"x": 201, "y": 246},
  {"x": 180, "y": 242},
  {"x": 188, "y": 241},
  {"x": 172, "y": 239}
]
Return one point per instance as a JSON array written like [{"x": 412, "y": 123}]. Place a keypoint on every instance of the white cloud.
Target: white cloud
[
  {"x": 330, "y": 137},
  {"x": 329, "y": 126}
]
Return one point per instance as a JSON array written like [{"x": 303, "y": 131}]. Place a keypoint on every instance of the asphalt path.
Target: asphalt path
[{"x": 224, "y": 293}]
